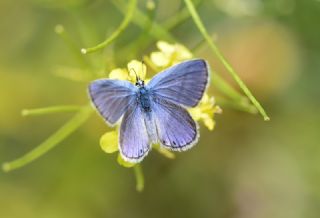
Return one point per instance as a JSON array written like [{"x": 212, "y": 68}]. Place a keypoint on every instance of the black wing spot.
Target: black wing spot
[
  {"x": 174, "y": 142},
  {"x": 164, "y": 142}
]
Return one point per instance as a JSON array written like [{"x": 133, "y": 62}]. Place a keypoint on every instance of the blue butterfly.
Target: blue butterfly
[{"x": 154, "y": 112}]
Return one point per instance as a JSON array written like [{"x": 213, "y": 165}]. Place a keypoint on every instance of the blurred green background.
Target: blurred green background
[{"x": 245, "y": 168}]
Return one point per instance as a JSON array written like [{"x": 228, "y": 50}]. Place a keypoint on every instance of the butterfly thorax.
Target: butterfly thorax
[{"x": 143, "y": 98}]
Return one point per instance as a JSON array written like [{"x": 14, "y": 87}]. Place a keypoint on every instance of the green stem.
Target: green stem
[
  {"x": 59, "y": 29},
  {"x": 52, "y": 141},
  {"x": 217, "y": 52},
  {"x": 50, "y": 110},
  {"x": 178, "y": 17},
  {"x": 139, "y": 177},
  {"x": 128, "y": 16},
  {"x": 241, "y": 106},
  {"x": 141, "y": 20},
  {"x": 220, "y": 84}
]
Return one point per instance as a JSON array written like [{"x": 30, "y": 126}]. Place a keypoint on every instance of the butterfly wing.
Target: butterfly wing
[
  {"x": 182, "y": 84},
  {"x": 175, "y": 127},
  {"x": 134, "y": 140},
  {"x": 112, "y": 98}
]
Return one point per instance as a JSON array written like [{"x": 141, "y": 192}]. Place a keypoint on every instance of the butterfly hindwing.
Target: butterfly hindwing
[
  {"x": 134, "y": 140},
  {"x": 175, "y": 127},
  {"x": 112, "y": 98},
  {"x": 182, "y": 84}
]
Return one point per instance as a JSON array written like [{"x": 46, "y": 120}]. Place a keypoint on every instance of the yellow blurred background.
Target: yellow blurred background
[{"x": 245, "y": 168}]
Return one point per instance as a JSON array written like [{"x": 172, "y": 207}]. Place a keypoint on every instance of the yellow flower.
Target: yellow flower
[
  {"x": 109, "y": 144},
  {"x": 134, "y": 67},
  {"x": 137, "y": 67},
  {"x": 169, "y": 54},
  {"x": 124, "y": 163},
  {"x": 119, "y": 73},
  {"x": 165, "y": 152},
  {"x": 205, "y": 111}
]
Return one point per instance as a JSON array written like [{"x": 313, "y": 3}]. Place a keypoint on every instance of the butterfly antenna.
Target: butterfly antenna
[
  {"x": 142, "y": 63},
  {"x": 137, "y": 77}
]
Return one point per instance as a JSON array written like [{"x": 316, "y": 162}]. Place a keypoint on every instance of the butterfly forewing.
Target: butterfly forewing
[
  {"x": 134, "y": 140},
  {"x": 175, "y": 127},
  {"x": 112, "y": 98},
  {"x": 182, "y": 84}
]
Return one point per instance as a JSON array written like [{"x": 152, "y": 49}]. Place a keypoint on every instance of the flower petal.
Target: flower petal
[
  {"x": 119, "y": 73},
  {"x": 182, "y": 53},
  {"x": 164, "y": 152},
  {"x": 165, "y": 47},
  {"x": 218, "y": 110},
  {"x": 208, "y": 121},
  {"x": 159, "y": 59},
  {"x": 123, "y": 162},
  {"x": 137, "y": 67},
  {"x": 109, "y": 142},
  {"x": 205, "y": 111},
  {"x": 195, "y": 113}
]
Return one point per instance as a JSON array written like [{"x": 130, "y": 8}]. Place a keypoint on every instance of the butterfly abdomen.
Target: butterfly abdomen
[
  {"x": 151, "y": 127},
  {"x": 145, "y": 103}
]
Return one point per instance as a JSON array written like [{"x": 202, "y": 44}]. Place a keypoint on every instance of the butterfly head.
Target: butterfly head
[{"x": 140, "y": 82}]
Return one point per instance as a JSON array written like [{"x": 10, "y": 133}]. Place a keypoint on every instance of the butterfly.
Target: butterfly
[{"x": 155, "y": 112}]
